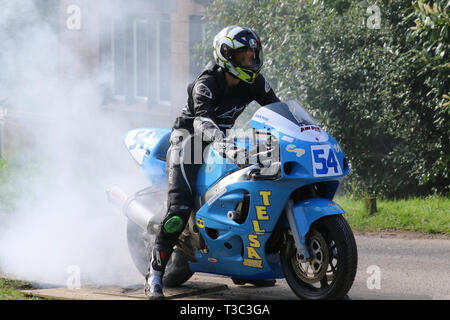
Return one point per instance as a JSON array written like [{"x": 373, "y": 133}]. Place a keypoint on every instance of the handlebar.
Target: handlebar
[{"x": 260, "y": 155}]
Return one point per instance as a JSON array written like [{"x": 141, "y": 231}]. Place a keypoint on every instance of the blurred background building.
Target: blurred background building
[{"x": 140, "y": 50}]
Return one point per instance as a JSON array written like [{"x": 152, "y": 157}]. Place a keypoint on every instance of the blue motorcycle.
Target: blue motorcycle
[{"x": 272, "y": 217}]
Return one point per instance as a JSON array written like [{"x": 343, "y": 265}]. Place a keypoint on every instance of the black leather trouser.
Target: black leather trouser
[{"x": 182, "y": 164}]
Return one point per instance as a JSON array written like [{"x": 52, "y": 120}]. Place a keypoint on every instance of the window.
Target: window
[
  {"x": 137, "y": 59},
  {"x": 164, "y": 66},
  {"x": 119, "y": 58},
  {"x": 141, "y": 58},
  {"x": 195, "y": 36}
]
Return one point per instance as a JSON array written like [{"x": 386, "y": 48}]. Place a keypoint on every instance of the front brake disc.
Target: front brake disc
[{"x": 315, "y": 268}]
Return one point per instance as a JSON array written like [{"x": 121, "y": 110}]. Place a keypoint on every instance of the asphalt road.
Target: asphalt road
[
  {"x": 408, "y": 269},
  {"x": 389, "y": 267}
]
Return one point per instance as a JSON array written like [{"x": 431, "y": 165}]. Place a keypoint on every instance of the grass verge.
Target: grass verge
[
  {"x": 10, "y": 290},
  {"x": 427, "y": 215},
  {"x": 17, "y": 172}
]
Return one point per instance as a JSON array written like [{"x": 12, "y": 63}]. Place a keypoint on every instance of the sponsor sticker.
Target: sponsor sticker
[
  {"x": 293, "y": 148},
  {"x": 253, "y": 257},
  {"x": 220, "y": 193}
]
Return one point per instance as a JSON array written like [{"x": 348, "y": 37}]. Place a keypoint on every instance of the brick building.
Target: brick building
[{"x": 139, "y": 50}]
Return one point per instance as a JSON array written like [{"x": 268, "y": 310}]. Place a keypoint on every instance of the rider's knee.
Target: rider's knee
[{"x": 176, "y": 219}]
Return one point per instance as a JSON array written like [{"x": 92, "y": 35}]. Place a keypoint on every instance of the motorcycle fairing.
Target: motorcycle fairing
[
  {"x": 238, "y": 249},
  {"x": 215, "y": 168},
  {"x": 148, "y": 147},
  {"x": 310, "y": 210}
]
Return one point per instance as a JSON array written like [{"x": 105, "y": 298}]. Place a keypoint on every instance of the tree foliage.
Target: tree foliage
[{"x": 381, "y": 87}]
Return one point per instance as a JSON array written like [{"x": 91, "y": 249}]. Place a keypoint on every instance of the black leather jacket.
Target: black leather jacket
[{"x": 213, "y": 107}]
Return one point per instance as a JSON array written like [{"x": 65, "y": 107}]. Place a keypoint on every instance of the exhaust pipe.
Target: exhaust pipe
[{"x": 133, "y": 209}]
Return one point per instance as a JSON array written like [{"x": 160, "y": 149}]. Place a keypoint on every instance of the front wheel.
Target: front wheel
[{"x": 331, "y": 269}]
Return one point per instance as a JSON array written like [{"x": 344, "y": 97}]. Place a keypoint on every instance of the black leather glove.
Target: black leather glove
[{"x": 228, "y": 149}]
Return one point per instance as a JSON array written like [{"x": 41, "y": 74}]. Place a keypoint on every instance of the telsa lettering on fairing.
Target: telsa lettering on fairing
[{"x": 253, "y": 257}]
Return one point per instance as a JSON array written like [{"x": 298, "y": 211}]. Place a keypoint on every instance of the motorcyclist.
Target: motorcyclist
[{"x": 215, "y": 100}]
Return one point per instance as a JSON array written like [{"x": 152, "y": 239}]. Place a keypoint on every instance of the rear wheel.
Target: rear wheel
[
  {"x": 331, "y": 269},
  {"x": 140, "y": 245}
]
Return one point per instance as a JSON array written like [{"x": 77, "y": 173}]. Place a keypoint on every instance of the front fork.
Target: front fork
[
  {"x": 303, "y": 214},
  {"x": 301, "y": 246}
]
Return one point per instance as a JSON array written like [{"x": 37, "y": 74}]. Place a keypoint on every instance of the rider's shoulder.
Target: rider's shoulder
[
  {"x": 212, "y": 76},
  {"x": 261, "y": 84},
  {"x": 260, "y": 80}
]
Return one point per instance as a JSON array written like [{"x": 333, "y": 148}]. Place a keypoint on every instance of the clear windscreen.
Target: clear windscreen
[{"x": 300, "y": 114}]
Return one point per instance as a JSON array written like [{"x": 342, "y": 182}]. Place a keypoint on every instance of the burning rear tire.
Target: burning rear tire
[
  {"x": 330, "y": 272},
  {"x": 140, "y": 245}
]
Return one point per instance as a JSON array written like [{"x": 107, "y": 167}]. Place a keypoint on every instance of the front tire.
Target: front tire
[
  {"x": 140, "y": 245},
  {"x": 330, "y": 272}
]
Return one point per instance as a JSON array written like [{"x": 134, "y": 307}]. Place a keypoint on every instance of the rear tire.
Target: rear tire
[
  {"x": 331, "y": 271},
  {"x": 140, "y": 245}
]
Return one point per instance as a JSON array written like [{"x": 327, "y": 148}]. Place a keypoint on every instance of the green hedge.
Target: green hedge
[{"x": 381, "y": 90}]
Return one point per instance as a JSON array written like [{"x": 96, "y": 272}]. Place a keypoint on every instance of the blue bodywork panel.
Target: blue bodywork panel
[{"x": 308, "y": 155}]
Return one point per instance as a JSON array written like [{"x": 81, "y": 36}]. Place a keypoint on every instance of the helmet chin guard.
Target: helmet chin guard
[{"x": 232, "y": 40}]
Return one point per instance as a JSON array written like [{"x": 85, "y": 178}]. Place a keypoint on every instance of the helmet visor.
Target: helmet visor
[
  {"x": 246, "y": 59},
  {"x": 248, "y": 63}
]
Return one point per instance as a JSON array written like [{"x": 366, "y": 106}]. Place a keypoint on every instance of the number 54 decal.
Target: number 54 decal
[{"x": 324, "y": 161}]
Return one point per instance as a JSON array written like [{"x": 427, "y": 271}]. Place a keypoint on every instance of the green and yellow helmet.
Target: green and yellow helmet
[{"x": 231, "y": 40}]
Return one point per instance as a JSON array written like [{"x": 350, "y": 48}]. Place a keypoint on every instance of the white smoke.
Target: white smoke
[{"x": 64, "y": 220}]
